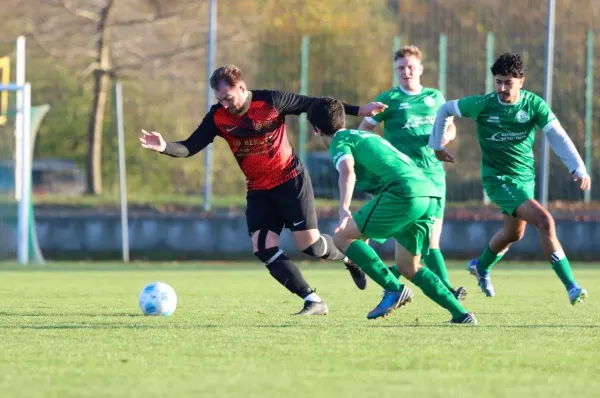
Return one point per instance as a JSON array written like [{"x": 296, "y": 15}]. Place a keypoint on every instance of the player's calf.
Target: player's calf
[
  {"x": 325, "y": 248},
  {"x": 289, "y": 276}
]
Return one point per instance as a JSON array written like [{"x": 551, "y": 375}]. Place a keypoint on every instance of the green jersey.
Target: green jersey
[
  {"x": 408, "y": 123},
  {"x": 379, "y": 166},
  {"x": 506, "y": 132}
]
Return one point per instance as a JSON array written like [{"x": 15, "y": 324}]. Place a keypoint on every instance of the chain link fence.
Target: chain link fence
[{"x": 350, "y": 45}]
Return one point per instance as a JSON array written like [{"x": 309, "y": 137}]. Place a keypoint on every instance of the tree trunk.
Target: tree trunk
[{"x": 101, "y": 90}]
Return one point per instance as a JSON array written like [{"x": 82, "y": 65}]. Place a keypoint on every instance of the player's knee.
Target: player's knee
[
  {"x": 323, "y": 247},
  {"x": 514, "y": 236},
  {"x": 264, "y": 239},
  {"x": 408, "y": 269},
  {"x": 434, "y": 241},
  {"x": 268, "y": 256},
  {"x": 317, "y": 249},
  {"x": 545, "y": 224},
  {"x": 341, "y": 241}
]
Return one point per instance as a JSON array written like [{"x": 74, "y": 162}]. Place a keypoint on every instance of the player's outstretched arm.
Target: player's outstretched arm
[
  {"x": 152, "y": 140},
  {"x": 563, "y": 147},
  {"x": 365, "y": 125},
  {"x": 294, "y": 104},
  {"x": 449, "y": 131},
  {"x": 346, "y": 182},
  {"x": 197, "y": 141},
  {"x": 443, "y": 119}
]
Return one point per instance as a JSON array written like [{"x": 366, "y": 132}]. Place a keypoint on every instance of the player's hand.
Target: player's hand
[
  {"x": 345, "y": 216},
  {"x": 371, "y": 109},
  {"x": 585, "y": 182},
  {"x": 444, "y": 156},
  {"x": 152, "y": 140}
]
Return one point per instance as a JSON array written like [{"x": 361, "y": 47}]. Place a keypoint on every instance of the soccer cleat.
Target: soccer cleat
[
  {"x": 358, "y": 276},
  {"x": 485, "y": 284},
  {"x": 391, "y": 301},
  {"x": 577, "y": 294},
  {"x": 460, "y": 293},
  {"x": 313, "y": 308},
  {"x": 465, "y": 319}
]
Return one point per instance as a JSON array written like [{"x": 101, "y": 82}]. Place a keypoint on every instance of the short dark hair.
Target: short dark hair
[
  {"x": 229, "y": 74},
  {"x": 509, "y": 64},
  {"x": 327, "y": 114}
]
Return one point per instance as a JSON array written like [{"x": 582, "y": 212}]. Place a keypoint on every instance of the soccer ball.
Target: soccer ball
[{"x": 158, "y": 298}]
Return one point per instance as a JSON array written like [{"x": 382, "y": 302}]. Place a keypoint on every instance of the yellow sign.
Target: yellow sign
[{"x": 4, "y": 79}]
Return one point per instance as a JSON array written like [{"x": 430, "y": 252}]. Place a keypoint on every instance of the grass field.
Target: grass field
[{"x": 74, "y": 330}]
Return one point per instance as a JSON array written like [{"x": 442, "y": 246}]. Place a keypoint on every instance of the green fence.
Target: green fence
[{"x": 341, "y": 48}]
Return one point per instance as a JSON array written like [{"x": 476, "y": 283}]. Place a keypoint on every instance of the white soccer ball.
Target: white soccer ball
[{"x": 158, "y": 298}]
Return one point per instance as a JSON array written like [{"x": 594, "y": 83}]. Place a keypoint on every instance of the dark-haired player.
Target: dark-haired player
[
  {"x": 506, "y": 121},
  {"x": 280, "y": 192},
  {"x": 404, "y": 207}
]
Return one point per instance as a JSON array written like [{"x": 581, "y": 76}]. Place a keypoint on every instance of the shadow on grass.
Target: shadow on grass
[
  {"x": 69, "y": 314},
  {"x": 104, "y": 326},
  {"x": 489, "y": 326},
  {"x": 280, "y": 326}
]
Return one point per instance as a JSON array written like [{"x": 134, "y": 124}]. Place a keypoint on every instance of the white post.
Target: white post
[
  {"x": 210, "y": 61},
  {"x": 549, "y": 71},
  {"x": 19, "y": 117},
  {"x": 25, "y": 187},
  {"x": 122, "y": 172}
]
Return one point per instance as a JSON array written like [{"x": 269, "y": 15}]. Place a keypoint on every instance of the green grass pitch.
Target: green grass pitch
[{"x": 74, "y": 330}]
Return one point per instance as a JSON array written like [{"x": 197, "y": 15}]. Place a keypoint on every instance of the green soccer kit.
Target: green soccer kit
[
  {"x": 404, "y": 207},
  {"x": 506, "y": 133},
  {"x": 408, "y": 123},
  {"x": 405, "y": 200}
]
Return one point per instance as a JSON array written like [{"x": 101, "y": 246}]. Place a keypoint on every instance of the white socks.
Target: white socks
[{"x": 313, "y": 297}]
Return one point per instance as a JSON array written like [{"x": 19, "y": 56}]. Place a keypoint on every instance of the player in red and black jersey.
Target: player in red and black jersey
[{"x": 280, "y": 192}]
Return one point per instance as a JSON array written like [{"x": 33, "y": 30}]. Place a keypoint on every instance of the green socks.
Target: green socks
[
  {"x": 367, "y": 259},
  {"x": 435, "y": 262},
  {"x": 560, "y": 265},
  {"x": 488, "y": 259},
  {"x": 433, "y": 288},
  {"x": 394, "y": 270}
]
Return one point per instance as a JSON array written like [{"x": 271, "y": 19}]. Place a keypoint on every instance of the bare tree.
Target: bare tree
[{"x": 141, "y": 40}]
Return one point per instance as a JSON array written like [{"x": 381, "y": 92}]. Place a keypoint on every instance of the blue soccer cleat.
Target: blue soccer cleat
[
  {"x": 483, "y": 280},
  {"x": 391, "y": 301},
  {"x": 577, "y": 294}
]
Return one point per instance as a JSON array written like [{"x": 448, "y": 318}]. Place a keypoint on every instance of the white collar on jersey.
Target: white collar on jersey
[
  {"x": 419, "y": 91},
  {"x": 506, "y": 103}
]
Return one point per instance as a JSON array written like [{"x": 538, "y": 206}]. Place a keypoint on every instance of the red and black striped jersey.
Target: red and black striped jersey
[{"x": 257, "y": 138}]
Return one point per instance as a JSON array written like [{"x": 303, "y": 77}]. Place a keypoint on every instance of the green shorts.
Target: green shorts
[
  {"x": 508, "y": 193},
  {"x": 407, "y": 220},
  {"x": 440, "y": 182}
]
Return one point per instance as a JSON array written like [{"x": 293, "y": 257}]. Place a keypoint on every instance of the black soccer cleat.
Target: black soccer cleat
[
  {"x": 460, "y": 293},
  {"x": 358, "y": 276},
  {"x": 465, "y": 319},
  {"x": 313, "y": 308}
]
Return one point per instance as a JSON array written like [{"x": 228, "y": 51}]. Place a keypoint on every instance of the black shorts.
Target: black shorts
[{"x": 290, "y": 205}]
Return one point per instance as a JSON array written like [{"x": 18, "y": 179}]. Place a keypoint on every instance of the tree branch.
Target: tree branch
[{"x": 79, "y": 12}]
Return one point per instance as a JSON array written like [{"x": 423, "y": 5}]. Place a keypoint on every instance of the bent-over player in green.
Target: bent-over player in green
[
  {"x": 506, "y": 121},
  {"x": 403, "y": 208},
  {"x": 408, "y": 123}
]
